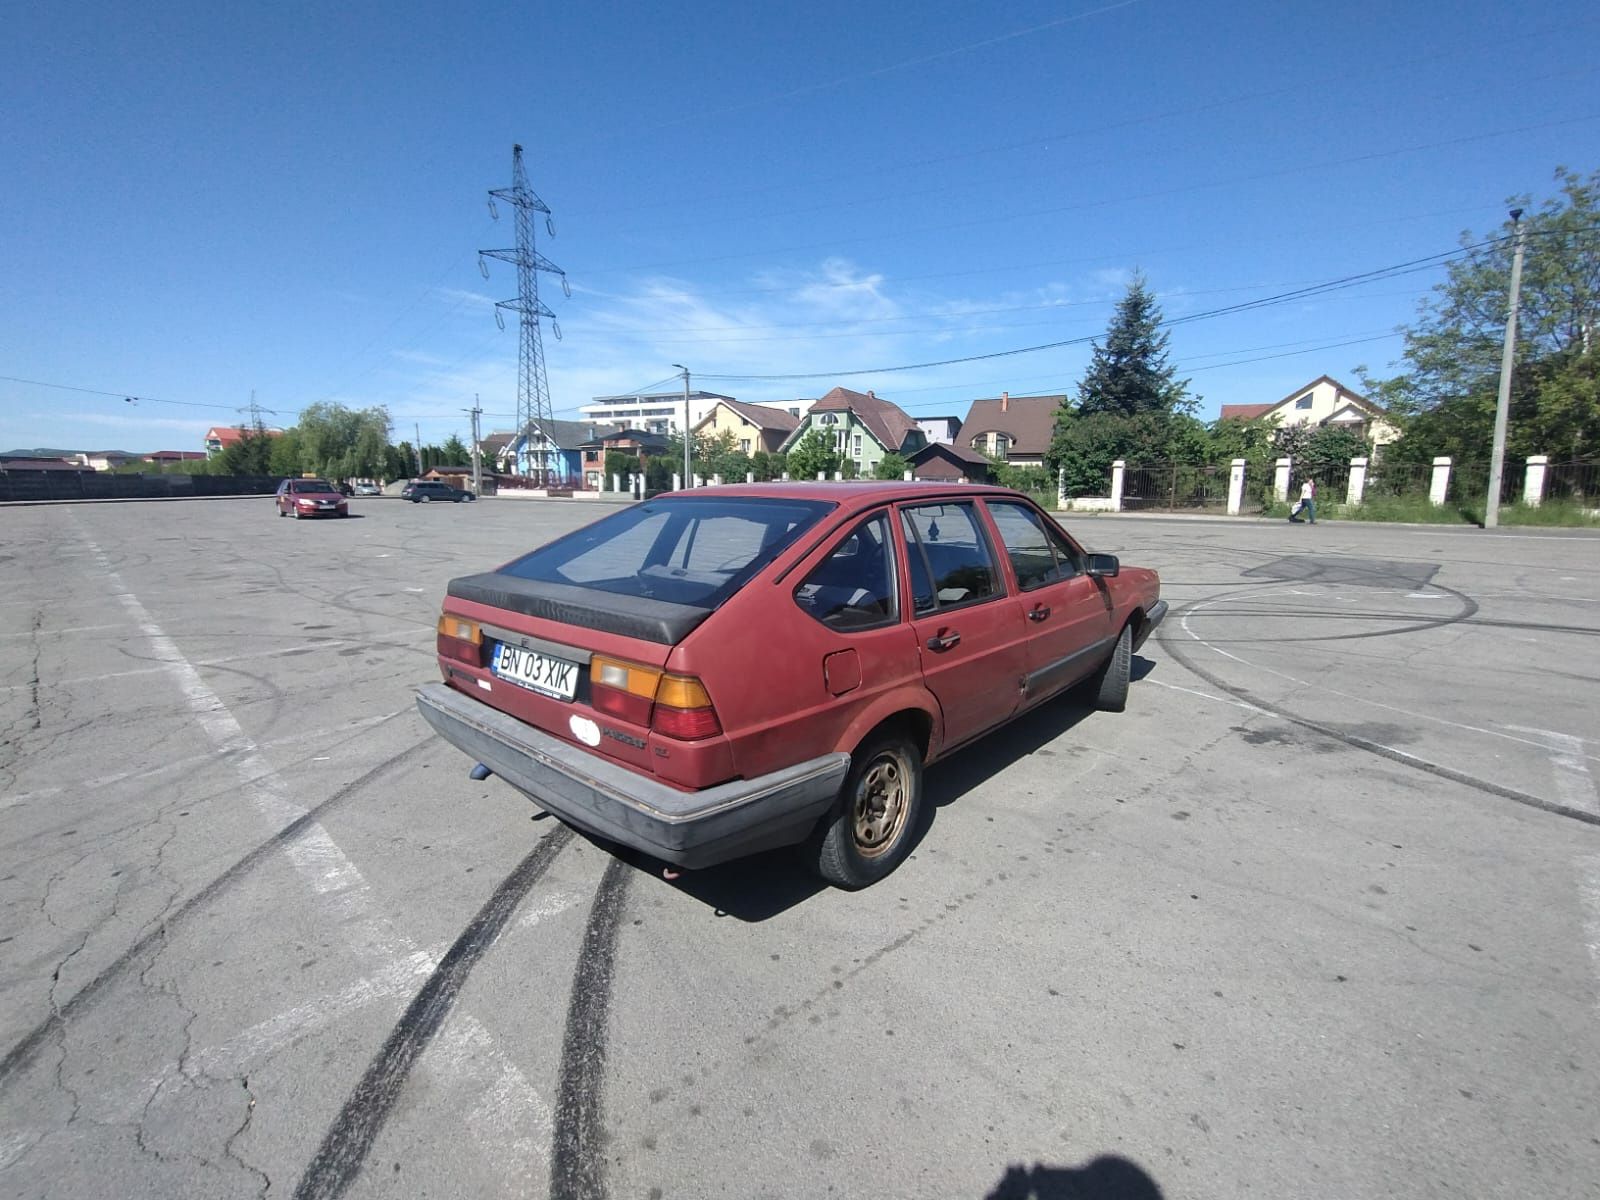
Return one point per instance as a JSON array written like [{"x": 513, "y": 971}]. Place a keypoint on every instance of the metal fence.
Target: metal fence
[
  {"x": 1174, "y": 487},
  {"x": 1578, "y": 481}
]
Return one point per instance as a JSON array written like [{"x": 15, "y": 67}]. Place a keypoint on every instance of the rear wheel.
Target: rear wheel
[
  {"x": 1111, "y": 684},
  {"x": 423, "y": 499},
  {"x": 869, "y": 831}
]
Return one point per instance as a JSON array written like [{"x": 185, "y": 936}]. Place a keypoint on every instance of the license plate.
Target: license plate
[{"x": 537, "y": 672}]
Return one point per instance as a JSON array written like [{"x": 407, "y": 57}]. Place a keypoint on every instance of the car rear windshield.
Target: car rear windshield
[
  {"x": 695, "y": 551},
  {"x": 310, "y": 485}
]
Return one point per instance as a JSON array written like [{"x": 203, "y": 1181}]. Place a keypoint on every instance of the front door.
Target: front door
[
  {"x": 1070, "y": 613},
  {"x": 971, "y": 633}
]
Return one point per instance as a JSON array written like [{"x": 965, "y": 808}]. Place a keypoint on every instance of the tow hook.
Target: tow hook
[{"x": 479, "y": 773}]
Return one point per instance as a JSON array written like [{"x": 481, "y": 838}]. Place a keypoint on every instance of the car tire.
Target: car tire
[
  {"x": 423, "y": 499},
  {"x": 870, "y": 830},
  {"x": 1111, "y": 684}
]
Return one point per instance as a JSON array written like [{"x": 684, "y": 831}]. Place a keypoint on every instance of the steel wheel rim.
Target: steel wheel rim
[{"x": 880, "y": 805}]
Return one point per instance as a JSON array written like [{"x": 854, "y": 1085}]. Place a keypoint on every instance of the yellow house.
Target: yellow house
[
  {"x": 1323, "y": 401},
  {"x": 753, "y": 426}
]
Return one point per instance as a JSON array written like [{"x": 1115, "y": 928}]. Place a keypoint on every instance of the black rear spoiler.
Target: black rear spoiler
[{"x": 631, "y": 616}]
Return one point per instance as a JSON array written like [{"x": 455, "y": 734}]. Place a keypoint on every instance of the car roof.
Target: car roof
[{"x": 853, "y": 493}]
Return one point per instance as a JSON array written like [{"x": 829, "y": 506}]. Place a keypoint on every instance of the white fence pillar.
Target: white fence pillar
[
  {"x": 838, "y": 476},
  {"x": 1236, "y": 487},
  {"x": 616, "y": 481},
  {"x": 1358, "y": 481},
  {"x": 907, "y": 476},
  {"x": 1441, "y": 480},
  {"x": 1061, "y": 487},
  {"x": 699, "y": 481},
  {"x": 749, "y": 476},
  {"x": 1280, "y": 479},
  {"x": 1533, "y": 485},
  {"x": 1118, "y": 470},
  {"x": 677, "y": 482},
  {"x": 786, "y": 477},
  {"x": 716, "y": 480}
]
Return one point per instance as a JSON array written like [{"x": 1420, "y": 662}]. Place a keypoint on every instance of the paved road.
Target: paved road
[{"x": 1319, "y": 915}]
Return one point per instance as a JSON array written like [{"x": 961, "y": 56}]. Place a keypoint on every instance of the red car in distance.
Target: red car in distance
[
  {"x": 310, "y": 498},
  {"x": 713, "y": 673}
]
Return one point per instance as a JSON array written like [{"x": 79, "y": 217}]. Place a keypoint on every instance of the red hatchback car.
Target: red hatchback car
[
  {"x": 713, "y": 673},
  {"x": 310, "y": 498}
]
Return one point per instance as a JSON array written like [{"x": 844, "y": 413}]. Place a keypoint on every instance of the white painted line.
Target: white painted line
[
  {"x": 1228, "y": 700},
  {"x": 331, "y": 874},
  {"x": 1572, "y": 776}
]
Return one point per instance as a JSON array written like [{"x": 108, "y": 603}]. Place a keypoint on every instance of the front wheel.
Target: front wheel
[
  {"x": 423, "y": 499},
  {"x": 1111, "y": 684},
  {"x": 869, "y": 832}
]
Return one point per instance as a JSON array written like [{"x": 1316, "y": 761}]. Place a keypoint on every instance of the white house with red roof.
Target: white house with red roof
[{"x": 1323, "y": 401}]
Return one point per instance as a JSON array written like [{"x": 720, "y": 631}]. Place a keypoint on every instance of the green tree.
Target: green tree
[
  {"x": 767, "y": 466},
  {"x": 1130, "y": 374},
  {"x": 1445, "y": 398},
  {"x": 1130, "y": 403},
  {"x": 250, "y": 455},
  {"x": 399, "y": 462},
  {"x": 343, "y": 443},
  {"x": 286, "y": 453},
  {"x": 812, "y": 454},
  {"x": 890, "y": 466},
  {"x": 455, "y": 452}
]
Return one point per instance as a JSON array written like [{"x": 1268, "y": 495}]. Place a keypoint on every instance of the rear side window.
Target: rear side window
[
  {"x": 853, "y": 588},
  {"x": 950, "y": 560},
  {"x": 683, "y": 550}
]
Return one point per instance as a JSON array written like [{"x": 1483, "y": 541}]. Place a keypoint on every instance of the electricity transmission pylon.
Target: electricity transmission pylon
[{"x": 533, "y": 389}]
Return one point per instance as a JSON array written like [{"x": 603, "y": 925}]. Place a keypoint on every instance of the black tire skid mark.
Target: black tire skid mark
[
  {"x": 1183, "y": 659},
  {"x": 349, "y": 1139},
  {"x": 577, "y": 1157},
  {"x": 23, "y": 1052},
  {"x": 1469, "y": 609}
]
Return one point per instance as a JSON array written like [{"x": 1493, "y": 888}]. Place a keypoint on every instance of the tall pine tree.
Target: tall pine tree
[{"x": 1129, "y": 375}]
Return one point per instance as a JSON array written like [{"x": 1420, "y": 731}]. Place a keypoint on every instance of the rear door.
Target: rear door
[
  {"x": 971, "y": 632},
  {"x": 1070, "y": 614}
]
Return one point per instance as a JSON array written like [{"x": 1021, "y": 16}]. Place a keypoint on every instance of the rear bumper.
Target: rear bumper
[
  {"x": 1157, "y": 614},
  {"x": 690, "y": 829}
]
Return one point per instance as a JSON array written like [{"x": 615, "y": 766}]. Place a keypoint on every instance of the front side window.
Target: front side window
[
  {"x": 853, "y": 588},
  {"x": 1039, "y": 555},
  {"x": 950, "y": 560}
]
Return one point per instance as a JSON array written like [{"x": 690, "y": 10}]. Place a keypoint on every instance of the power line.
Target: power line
[{"x": 1419, "y": 264}]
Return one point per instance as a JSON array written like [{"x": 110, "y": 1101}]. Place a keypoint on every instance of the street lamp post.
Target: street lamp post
[{"x": 688, "y": 479}]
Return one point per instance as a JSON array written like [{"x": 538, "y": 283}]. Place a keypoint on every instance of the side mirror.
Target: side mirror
[{"x": 1101, "y": 566}]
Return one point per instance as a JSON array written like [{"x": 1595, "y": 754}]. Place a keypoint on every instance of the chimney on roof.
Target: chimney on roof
[{"x": 1005, "y": 401}]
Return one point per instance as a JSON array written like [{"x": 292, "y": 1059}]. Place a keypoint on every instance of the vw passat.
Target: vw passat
[{"x": 714, "y": 673}]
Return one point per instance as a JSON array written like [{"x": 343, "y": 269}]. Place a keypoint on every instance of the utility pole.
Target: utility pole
[
  {"x": 477, "y": 469},
  {"x": 416, "y": 447},
  {"x": 688, "y": 478},
  {"x": 1497, "y": 457}
]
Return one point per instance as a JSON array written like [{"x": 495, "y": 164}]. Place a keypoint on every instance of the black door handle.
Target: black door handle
[
  {"x": 944, "y": 641},
  {"x": 1039, "y": 613}
]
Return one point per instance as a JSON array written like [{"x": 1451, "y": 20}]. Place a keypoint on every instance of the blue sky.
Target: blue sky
[{"x": 202, "y": 201}]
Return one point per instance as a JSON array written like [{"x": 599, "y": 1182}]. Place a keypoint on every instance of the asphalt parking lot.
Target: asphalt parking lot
[{"x": 1319, "y": 915}]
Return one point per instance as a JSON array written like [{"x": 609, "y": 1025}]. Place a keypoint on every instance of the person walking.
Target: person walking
[{"x": 1308, "y": 503}]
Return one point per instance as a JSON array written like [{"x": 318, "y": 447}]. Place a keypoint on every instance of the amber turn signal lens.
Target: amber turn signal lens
[
  {"x": 460, "y": 628},
  {"x": 682, "y": 691}
]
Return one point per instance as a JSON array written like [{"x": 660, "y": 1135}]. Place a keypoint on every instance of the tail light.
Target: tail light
[
  {"x": 460, "y": 639},
  {"x": 677, "y": 706}
]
